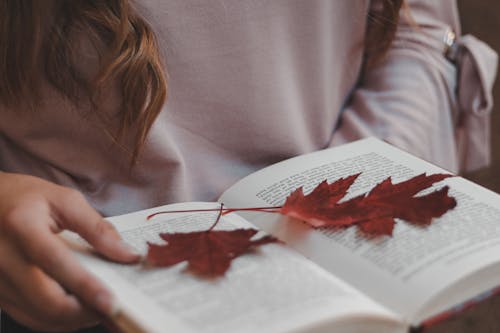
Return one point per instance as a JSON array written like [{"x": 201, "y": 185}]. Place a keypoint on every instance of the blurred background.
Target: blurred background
[{"x": 482, "y": 19}]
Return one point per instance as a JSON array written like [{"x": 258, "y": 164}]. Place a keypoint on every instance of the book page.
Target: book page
[
  {"x": 405, "y": 271},
  {"x": 273, "y": 289}
]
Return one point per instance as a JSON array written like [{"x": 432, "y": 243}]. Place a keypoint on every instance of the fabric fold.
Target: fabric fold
[{"x": 476, "y": 66}]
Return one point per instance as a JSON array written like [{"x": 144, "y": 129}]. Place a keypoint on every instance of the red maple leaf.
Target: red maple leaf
[
  {"x": 210, "y": 252},
  {"x": 207, "y": 252},
  {"x": 375, "y": 211}
]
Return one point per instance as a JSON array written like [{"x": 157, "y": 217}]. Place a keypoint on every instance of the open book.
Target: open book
[{"x": 319, "y": 280}]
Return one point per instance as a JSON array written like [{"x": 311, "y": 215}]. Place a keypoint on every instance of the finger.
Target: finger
[
  {"x": 52, "y": 303},
  {"x": 110, "y": 326},
  {"x": 10, "y": 273},
  {"x": 6, "y": 286},
  {"x": 74, "y": 213},
  {"x": 21, "y": 317},
  {"x": 52, "y": 255},
  {"x": 26, "y": 287}
]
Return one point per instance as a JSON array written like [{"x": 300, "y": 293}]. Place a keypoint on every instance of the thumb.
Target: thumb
[{"x": 74, "y": 213}]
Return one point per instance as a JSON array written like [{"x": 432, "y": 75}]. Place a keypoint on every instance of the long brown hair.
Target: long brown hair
[
  {"x": 31, "y": 49},
  {"x": 381, "y": 30}
]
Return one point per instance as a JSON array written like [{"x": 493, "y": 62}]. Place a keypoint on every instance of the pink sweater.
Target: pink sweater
[{"x": 254, "y": 82}]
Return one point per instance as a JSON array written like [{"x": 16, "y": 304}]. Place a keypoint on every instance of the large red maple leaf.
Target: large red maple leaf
[
  {"x": 375, "y": 211},
  {"x": 210, "y": 252},
  {"x": 207, "y": 252}
]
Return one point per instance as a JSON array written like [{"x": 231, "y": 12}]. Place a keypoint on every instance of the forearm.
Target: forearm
[
  {"x": 421, "y": 99},
  {"x": 408, "y": 103}
]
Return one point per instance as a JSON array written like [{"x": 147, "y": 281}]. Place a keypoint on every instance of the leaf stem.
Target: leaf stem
[
  {"x": 273, "y": 209},
  {"x": 218, "y": 217}
]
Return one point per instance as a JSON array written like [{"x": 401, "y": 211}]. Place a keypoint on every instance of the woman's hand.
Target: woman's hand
[{"x": 41, "y": 284}]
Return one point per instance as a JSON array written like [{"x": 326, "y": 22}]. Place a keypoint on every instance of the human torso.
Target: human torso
[{"x": 250, "y": 83}]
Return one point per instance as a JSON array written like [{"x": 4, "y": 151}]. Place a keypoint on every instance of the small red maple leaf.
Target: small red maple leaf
[
  {"x": 207, "y": 252},
  {"x": 375, "y": 211}
]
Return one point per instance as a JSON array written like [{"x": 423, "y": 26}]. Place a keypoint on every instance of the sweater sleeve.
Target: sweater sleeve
[{"x": 432, "y": 103}]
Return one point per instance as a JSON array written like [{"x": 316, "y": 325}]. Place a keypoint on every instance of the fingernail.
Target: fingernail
[
  {"x": 128, "y": 248},
  {"x": 106, "y": 304}
]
